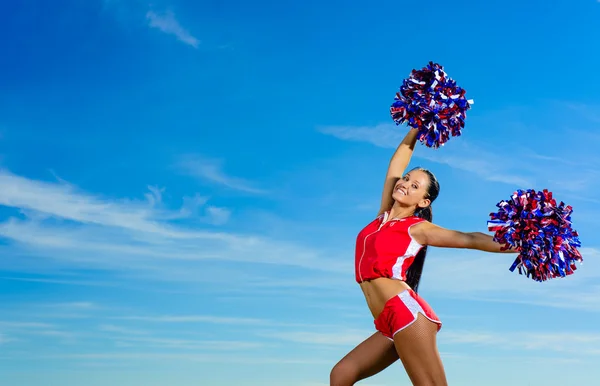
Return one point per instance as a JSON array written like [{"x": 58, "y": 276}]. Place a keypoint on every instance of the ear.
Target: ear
[{"x": 424, "y": 203}]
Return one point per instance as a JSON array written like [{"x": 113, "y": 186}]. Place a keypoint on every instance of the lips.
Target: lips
[{"x": 399, "y": 190}]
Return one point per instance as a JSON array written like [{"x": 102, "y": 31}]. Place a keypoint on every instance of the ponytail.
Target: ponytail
[
  {"x": 413, "y": 274},
  {"x": 425, "y": 213}
]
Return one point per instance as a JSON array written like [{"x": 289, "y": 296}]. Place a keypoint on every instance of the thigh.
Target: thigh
[
  {"x": 417, "y": 348},
  {"x": 367, "y": 359}
]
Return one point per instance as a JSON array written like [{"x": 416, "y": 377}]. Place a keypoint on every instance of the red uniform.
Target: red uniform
[{"x": 386, "y": 249}]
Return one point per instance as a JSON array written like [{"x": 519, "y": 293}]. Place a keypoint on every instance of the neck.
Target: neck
[{"x": 398, "y": 211}]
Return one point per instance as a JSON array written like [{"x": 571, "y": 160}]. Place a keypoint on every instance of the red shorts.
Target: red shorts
[{"x": 401, "y": 311}]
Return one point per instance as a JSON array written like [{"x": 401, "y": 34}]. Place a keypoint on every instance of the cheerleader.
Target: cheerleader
[{"x": 389, "y": 257}]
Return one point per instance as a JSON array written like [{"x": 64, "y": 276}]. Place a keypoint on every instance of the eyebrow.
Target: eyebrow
[{"x": 416, "y": 182}]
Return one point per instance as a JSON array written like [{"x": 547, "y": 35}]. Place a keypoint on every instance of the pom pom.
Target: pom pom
[
  {"x": 431, "y": 102},
  {"x": 532, "y": 224}
]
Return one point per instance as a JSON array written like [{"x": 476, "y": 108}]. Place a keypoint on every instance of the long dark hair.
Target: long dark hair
[{"x": 413, "y": 274}]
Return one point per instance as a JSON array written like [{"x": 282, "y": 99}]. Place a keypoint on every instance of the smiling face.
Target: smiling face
[{"x": 411, "y": 190}]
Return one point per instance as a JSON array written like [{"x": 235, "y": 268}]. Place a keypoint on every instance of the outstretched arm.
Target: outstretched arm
[
  {"x": 426, "y": 233},
  {"x": 398, "y": 164}
]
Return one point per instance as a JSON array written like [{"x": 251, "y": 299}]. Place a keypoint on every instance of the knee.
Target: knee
[{"x": 343, "y": 374}]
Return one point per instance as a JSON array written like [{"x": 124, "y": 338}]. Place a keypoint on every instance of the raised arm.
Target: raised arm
[
  {"x": 426, "y": 233},
  {"x": 398, "y": 164}
]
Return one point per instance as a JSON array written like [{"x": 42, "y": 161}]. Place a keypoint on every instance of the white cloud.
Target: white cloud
[
  {"x": 564, "y": 342},
  {"x": 586, "y": 111},
  {"x": 72, "y": 229},
  {"x": 194, "y": 319},
  {"x": 249, "y": 324},
  {"x": 58, "y": 281},
  {"x": 122, "y": 330},
  {"x": 217, "y": 216},
  {"x": 178, "y": 357},
  {"x": 382, "y": 135},
  {"x": 556, "y": 342},
  {"x": 190, "y": 344},
  {"x": 79, "y": 230},
  {"x": 167, "y": 23},
  {"x": 192, "y": 204},
  {"x": 480, "y": 276},
  {"x": 213, "y": 214},
  {"x": 90, "y": 246},
  {"x": 65, "y": 201},
  {"x": 331, "y": 338},
  {"x": 5, "y": 339},
  {"x": 57, "y": 311},
  {"x": 19, "y": 329},
  {"x": 24, "y": 325},
  {"x": 458, "y": 154},
  {"x": 524, "y": 163},
  {"x": 212, "y": 170},
  {"x": 71, "y": 306}
]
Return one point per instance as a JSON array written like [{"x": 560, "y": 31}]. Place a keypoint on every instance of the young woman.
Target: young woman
[{"x": 390, "y": 253}]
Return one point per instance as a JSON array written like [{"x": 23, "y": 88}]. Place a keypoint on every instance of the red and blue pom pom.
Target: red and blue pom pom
[
  {"x": 532, "y": 224},
  {"x": 431, "y": 102}
]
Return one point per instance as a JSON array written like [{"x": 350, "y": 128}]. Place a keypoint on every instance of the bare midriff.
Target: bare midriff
[{"x": 378, "y": 291}]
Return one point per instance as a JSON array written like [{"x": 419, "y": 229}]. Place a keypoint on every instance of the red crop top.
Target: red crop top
[{"x": 385, "y": 249}]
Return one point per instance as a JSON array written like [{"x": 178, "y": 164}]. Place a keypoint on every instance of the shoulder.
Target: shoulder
[
  {"x": 413, "y": 221},
  {"x": 419, "y": 229}
]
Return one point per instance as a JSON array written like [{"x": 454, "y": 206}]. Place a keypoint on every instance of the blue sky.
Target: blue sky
[{"x": 181, "y": 184}]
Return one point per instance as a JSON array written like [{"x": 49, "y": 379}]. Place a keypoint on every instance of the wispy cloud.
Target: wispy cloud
[
  {"x": 212, "y": 170},
  {"x": 78, "y": 229},
  {"x": 573, "y": 343},
  {"x": 167, "y": 23},
  {"x": 539, "y": 164},
  {"x": 586, "y": 111},
  {"x": 72, "y": 306},
  {"x": 382, "y": 135},
  {"x": 330, "y": 338},
  {"x": 57, "y": 311},
  {"x": 460, "y": 155},
  {"x": 195, "y": 319},
  {"x": 122, "y": 330},
  {"x": 218, "y": 216},
  {"x": 212, "y": 214},
  {"x": 18, "y": 330},
  {"x": 4, "y": 339},
  {"x": 63, "y": 200},
  {"x": 87, "y": 246},
  {"x": 190, "y": 344},
  {"x": 580, "y": 343},
  {"x": 58, "y": 281},
  {"x": 64, "y": 224},
  {"x": 479, "y": 276},
  {"x": 192, "y": 357},
  {"x": 24, "y": 325},
  {"x": 252, "y": 325},
  {"x": 144, "y": 243}
]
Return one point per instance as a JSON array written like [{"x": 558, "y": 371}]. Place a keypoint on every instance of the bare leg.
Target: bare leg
[
  {"x": 417, "y": 348},
  {"x": 367, "y": 359}
]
